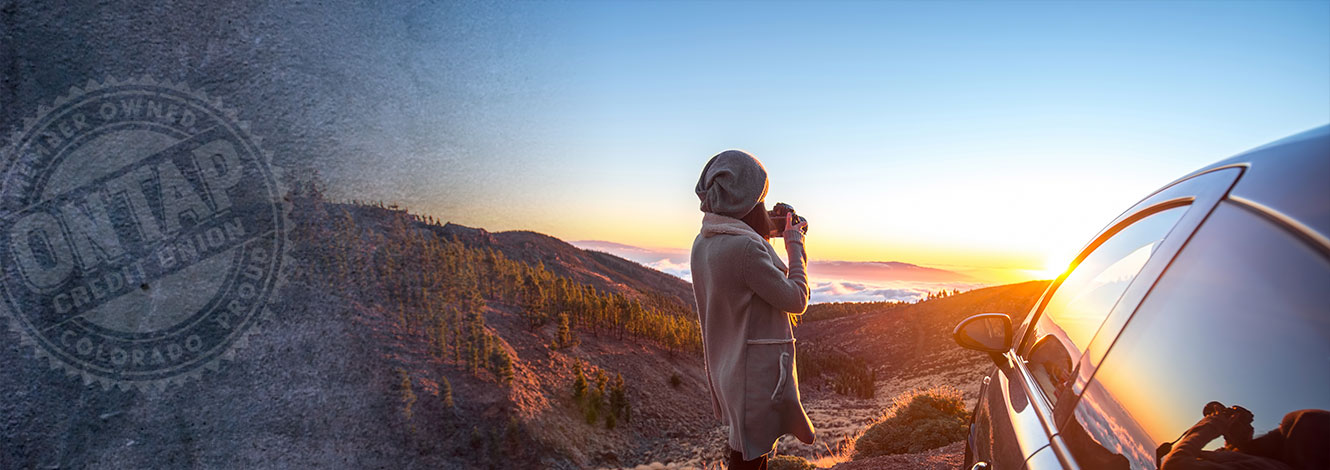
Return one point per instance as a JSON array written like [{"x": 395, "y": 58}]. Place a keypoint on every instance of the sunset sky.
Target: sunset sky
[{"x": 991, "y": 139}]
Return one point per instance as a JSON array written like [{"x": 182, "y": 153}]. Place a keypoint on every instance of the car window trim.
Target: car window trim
[
  {"x": 1310, "y": 236},
  {"x": 1044, "y": 411},
  {"x": 1063, "y": 453},
  {"x": 1042, "y": 408}
]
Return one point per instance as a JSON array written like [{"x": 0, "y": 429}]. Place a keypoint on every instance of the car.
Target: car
[{"x": 1202, "y": 310}]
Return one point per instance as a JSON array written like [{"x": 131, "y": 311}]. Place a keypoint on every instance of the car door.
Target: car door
[{"x": 1015, "y": 419}]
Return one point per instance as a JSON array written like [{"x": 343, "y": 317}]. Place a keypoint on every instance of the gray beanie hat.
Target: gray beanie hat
[{"x": 732, "y": 183}]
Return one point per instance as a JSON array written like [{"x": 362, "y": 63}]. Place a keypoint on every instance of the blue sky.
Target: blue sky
[{"x": 972, "y": 135}]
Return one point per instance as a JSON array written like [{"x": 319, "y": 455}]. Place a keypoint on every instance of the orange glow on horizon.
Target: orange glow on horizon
[
  {"x": 672, "y": 229},
  {"x": 988, "y": 267}
]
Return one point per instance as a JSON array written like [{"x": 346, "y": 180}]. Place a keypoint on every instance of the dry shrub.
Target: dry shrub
[
  {"x": 789, "y": 462},
  {"x": 917, "y": 421}
]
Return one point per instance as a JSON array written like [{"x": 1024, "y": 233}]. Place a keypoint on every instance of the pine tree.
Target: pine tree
[
  {"x": 579, "y": 382},
  {"x": 503, "y": 363},
  {"x": 512, "y": 432},
  {"x": 596, "y": 398},
  {"x": 618, "y": 397},
  {"x": 472, "y": 301},
  {"x": 446, "y": 393},
  {"x": 457, "y": 340},
  {"x": 408, "y": 396},
  {"x": 477, "y": 438},
  {"x": 593, "y": 406},
  {"x": 442, "y": 337},
  {"x": 533, "y": 301},
  {"x": 591, "y": 413},
  {"x": 565, "y": 336},
  {"x": 486, "y": 350},
  {"x": 601, "y": 381}
]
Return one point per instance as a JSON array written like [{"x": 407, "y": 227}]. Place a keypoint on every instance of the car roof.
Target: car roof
[{"x": 1289, "y": 179}]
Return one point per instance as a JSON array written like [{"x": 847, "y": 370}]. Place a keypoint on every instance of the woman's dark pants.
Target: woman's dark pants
[{"x": 737, "y": 462}]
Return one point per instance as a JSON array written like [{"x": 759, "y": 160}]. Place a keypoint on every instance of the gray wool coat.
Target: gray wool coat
[{"x": 745, "y": 296}]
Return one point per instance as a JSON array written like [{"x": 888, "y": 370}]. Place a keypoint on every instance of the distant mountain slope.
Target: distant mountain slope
[
  {"x": 635, "y": 253},
  {"x": 599, "y": 269}
]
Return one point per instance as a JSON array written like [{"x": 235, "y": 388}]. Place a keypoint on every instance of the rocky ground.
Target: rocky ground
[{"x": 948, "y": 457}]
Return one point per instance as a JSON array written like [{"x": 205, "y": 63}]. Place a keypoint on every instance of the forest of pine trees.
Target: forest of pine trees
[
  {"x": 371, "y": 257},
  {"x": 941, "y": 294},
  {"x": 430, "y": 283},
  {"x": 846, "y": 374},
  {"x": 600, "y": 397}
]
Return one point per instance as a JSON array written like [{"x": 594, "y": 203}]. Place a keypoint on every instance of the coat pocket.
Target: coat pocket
[{"x": 768, "y": 369}]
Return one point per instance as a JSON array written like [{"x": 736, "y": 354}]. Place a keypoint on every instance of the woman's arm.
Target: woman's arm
[
  {"x": 788, "y": 293},
  {"x": 1186, "y": 453}
]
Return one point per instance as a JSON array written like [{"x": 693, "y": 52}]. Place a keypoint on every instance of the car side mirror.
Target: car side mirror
[{"x": 985, "y": 332}]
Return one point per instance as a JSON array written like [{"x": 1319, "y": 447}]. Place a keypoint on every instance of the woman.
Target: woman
[{"x": 745, "y": 296}]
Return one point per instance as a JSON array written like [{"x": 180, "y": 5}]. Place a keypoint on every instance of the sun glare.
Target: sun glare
[{"x": 1054, "y": 266}]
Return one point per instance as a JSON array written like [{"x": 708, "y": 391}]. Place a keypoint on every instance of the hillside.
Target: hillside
[
  {"x": 404, "y": 342},
  {"x": 505, "y": 319}
]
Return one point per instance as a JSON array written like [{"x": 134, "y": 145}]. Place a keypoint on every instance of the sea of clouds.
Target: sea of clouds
[{"x": 824, "y": 288}]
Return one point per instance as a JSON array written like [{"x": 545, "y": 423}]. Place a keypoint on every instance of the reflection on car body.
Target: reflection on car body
[
  {"x": 1298, "y": 442},
  {"x": 1215, "y": 289}
]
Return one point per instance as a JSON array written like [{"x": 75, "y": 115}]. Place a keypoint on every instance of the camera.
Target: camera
[
  {"x": 777, "y": 216},
  {"x": 1236, "y": 413}
]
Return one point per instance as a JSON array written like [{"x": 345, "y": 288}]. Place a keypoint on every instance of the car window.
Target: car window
[
  {"x": 1238, "y": 319},
  {"x": 1077, "y": 308}
]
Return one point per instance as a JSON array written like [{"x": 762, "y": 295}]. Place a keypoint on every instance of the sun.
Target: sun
[{"x": 1054, "y": 266}]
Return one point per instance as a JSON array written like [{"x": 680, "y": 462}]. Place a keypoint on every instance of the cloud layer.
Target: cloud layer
[
  {"x": 840, "y": 290},
  {"x": 832, "y": 281},
  {"x": 665, "y": 265}
]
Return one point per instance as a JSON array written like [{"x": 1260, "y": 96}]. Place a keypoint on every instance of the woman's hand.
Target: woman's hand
[{"x": 794, "y": 231}]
